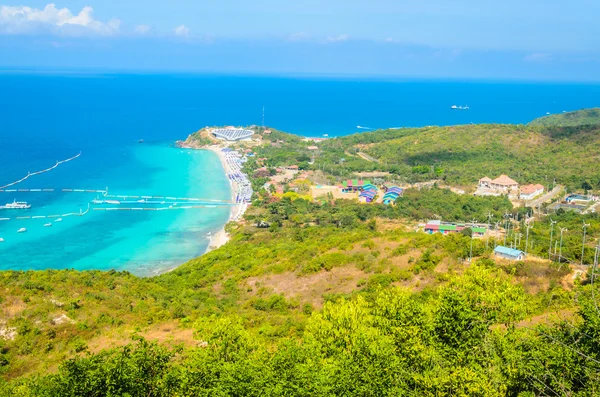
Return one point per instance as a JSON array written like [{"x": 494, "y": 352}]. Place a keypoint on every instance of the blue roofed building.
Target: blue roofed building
[{"x": 509, "y": 253}]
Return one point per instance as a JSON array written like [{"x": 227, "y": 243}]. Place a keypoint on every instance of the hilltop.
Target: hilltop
[{"x": 570, "y": 119}]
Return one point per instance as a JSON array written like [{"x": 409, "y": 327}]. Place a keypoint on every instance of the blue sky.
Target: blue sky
[{"x": 510, "y": 39}]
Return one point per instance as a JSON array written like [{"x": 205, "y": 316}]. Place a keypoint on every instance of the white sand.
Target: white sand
[{"x": 221, "y": 237}]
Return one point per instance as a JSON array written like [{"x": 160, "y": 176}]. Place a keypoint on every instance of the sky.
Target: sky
[{"x": 465, "y": 39}]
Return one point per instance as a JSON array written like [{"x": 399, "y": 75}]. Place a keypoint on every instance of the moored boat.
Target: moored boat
[{"x": 21, "y": 230}]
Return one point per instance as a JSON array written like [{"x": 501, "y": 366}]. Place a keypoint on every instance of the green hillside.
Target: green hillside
[
  {"x": 464, "y": 154},
  {"x": 570, "y": 119}
]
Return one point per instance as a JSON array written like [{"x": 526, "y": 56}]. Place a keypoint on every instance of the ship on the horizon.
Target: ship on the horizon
[
  {"x": 454, "y": 107},
  {"x": 16, "y": 205}
]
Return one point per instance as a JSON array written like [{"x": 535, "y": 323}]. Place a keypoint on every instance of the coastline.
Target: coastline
[{"x": 221, "y": 237}]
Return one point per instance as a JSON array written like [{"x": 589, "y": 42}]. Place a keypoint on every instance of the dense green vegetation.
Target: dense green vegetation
[
  {"x": 463, "y": 339},
  {"x": 570, "y": 119}
]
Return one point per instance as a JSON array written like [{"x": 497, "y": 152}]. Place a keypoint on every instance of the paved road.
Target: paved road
[{"x": 546, "y": 197}]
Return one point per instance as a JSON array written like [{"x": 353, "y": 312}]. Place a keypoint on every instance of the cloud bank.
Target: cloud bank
[{"x": 18, "y": 20}]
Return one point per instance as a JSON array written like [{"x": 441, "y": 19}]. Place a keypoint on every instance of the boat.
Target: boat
[
  {"x": 21, "y": 230},
  {"x": 112, "y": 202},
  {"x": 96, "y": 201},
  {"x": 16, "y": 205},
  {"x": 58, "y": 220},
  {"x": 326, "y": 135},
  {"x": 1, "y": 240},
  {"x": 454, "y": 107},
  {"x": 48, "y": 225},
  {"x": 141, "y": 141},
  {"x": 547, "y": 113}
]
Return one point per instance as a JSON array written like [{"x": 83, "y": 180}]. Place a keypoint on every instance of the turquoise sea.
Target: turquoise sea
[{"x": 53, "y": 116}]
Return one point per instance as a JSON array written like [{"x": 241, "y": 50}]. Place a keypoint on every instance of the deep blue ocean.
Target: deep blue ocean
[{"x": 53, "y": 116}]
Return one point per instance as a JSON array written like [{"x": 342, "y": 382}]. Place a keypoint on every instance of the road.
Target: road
[{"x": 546, "y": 197}]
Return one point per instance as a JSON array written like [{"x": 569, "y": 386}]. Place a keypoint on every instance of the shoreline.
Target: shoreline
[{"x": 221, "y": 237}]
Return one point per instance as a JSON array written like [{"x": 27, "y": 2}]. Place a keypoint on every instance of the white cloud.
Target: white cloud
[
  {"x": 182, "y": 31},
  {"x": 537, "y": 57},
  {"x": 143, "y": 29},
  {"x": 337, "y": 39},
  {"x": 26, "y": 20}
]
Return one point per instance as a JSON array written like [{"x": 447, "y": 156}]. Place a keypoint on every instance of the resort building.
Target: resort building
[
  {"x": 368, "y": 193},
  {"x": 509, "y": 253},
  {"x": 501, "y": 184},
  {"x": 391, "y": 194},
  {"x": 312, "y": 147},
  {"x": 267, "y": 132},
  {"x": 437, "y": 226},
  {"x": 353, "y": 185},
  {"x": 529, "y": 192},
  {"x": 232, "y": 134}
]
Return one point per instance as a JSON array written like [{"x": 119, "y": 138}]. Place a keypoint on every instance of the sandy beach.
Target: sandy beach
[{"x": 221, "y": 237}]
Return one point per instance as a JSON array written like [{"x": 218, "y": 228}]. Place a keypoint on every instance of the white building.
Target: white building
[
  {"x": 501, "y": 184},
  {"x": 232, "y": 134},
  {"x": 529, "y": 192}
]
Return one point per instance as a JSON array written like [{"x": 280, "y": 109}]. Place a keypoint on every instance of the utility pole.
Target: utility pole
[
  {"x": 527, "y": 239},
  {"x": 552, "y": 223},
  {"x": 585, "y": 226},
  {"x": 472, "y": 234},
  {"x": 562, "y": 229},
  {"x": 487, "y": 240}
]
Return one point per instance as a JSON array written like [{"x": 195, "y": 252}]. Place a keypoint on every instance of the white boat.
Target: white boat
[
  {"x": 454, "y": 107},
  {"x": 1, "y": 240},
  {"x": 48, "y": 225},
  {"x": 21, "y": 230},
  {"x": 112, "y": 202},
  {"x": 96, "y": 201},
  {"x": 58, "y": 220},
  {"x": 326, "y": 135},
  {"x": 16, "y": 205},
  {"x": 547, "y": 113}
]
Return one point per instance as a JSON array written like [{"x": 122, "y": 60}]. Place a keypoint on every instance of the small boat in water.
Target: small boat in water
[
  {"x": 16, "y": 205},
  {"x": 454, "y": 107},
  {"x": 58, "y": 220},
  {"x": 1, "y": 240},
  {"x": 48, "y": 225},
  {"x": 21, "y": 230}
]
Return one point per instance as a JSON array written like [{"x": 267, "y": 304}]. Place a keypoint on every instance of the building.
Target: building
[
  {"x": 391, "y": 194},
  {"x": 267, "y": 132},
  {"x": 232, "y": 134},
  {"x": 529, "y": 192},
  {"x": 501, "y": 184},
  {"x": 312, "y": 147},
  {"x": 292, "y": 167},
  {"x": 353, "y": 185},
  {"x": 367, "y": 196},
  {"x": 437, "y": 226},
  {"x": 509, "y": 253}
]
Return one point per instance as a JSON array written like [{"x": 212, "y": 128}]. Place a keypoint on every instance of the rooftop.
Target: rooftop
[{"x": 508, "y": 251}]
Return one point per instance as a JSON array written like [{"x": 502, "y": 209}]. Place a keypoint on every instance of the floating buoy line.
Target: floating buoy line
[{"x": 112, "y": 202}]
